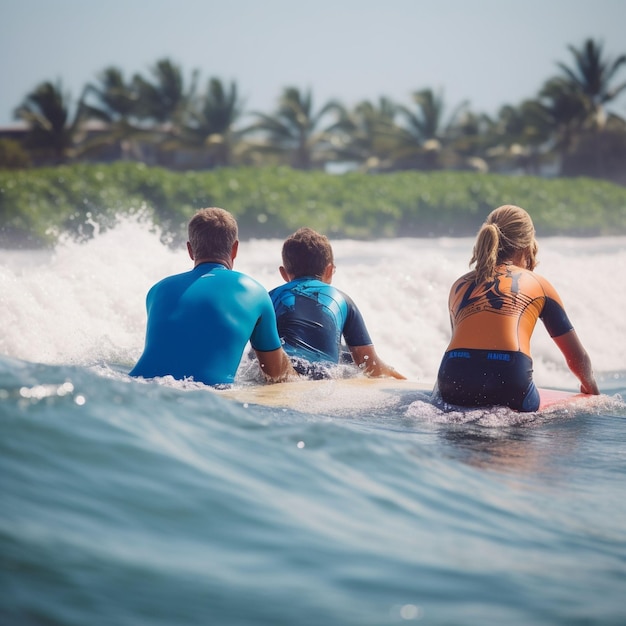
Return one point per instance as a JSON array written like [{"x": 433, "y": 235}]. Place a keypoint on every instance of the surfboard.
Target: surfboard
[
  {"x": 551, "y": 397},
  {"x": 353, "y": 393},
  {"x": 338, "y": 395}
]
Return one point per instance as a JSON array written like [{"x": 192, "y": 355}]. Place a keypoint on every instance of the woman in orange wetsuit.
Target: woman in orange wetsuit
[{"x": 493, "y": 312}]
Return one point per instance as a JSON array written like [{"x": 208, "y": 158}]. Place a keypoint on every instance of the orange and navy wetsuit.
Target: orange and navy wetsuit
[{"x": 488, "y": 360}]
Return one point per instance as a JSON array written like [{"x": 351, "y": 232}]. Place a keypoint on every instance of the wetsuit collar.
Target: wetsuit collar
[{"x": 212, "y": 264}]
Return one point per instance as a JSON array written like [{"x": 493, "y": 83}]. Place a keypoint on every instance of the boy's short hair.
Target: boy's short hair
[
  {"x": 212, "y": 233},
  {"x": 307, "y": 253}
]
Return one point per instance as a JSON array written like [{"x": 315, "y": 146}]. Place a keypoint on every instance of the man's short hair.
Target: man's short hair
[
  {"x": 212, "y": 233},
  {"x": 307, "y": 253}
]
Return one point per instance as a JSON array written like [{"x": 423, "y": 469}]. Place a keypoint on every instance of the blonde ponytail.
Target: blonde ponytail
[
  {"x": 507, "y": 230},
  {"x": 485, "y": 253}
]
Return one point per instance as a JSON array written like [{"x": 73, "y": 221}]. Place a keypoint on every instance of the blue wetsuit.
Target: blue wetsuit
[
  {"x": 199, "y": 323},
  {"x": 312, "y": 316}
]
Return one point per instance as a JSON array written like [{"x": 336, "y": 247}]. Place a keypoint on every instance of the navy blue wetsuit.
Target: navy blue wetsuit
[
  {"x": 312, "y": 316},
  {"x": 199, "y": 323}
]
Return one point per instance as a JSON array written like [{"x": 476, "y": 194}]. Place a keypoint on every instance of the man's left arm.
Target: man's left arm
[
  {"x": 276, "y": 366},
  {"x": 274, "y": 362}
]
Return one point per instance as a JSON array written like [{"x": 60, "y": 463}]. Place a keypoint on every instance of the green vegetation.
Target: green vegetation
[
  {"x": 38, "y": 205},
  {"x": 166, "y": 119},
  {"x": 13, "y": 155}
]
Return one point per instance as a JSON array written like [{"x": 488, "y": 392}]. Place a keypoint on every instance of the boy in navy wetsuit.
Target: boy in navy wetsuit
[
  {"x": 312, "y": 315},
  {"x": 200, "y": 321}
]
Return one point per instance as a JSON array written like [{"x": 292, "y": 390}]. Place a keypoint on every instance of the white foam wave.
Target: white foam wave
[{"x": 84, "y": 303}]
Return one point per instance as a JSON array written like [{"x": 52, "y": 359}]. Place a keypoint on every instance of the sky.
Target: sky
[{"x": 487, "y": 52}]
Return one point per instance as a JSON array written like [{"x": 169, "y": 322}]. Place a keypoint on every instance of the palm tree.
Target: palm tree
[
  {"x": 467, "y": 141},
  {"x": 166, "y": 102},
  {"x": 116, "y": 98},
  {"x": 114, "y": 102},
  {"x": 368, "y": 134},
  {"x": 520, "y": 137},
  {"x": 426, "y": 131},
  {"x": 565, "y": 111},
  {"x": 592, "y": 77},
  {"x": 293, "y": 132},
  {"x": 597, "y": 145},
  {"x": 52, "y": 136},
  {"x": 212, "y": 117}
]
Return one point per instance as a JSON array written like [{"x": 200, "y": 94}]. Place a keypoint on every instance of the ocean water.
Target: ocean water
[{"x": 136, "y": 503}]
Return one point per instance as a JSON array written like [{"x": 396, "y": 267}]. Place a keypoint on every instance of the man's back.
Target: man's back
[{"x": 200, "y": 321}]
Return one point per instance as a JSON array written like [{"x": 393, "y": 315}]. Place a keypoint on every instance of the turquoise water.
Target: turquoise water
[
  {"x": 132, "y": 503},
  {"x": 126, "y": 503}
]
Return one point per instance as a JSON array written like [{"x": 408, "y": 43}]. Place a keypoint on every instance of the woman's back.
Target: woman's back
[
  {"x": 493, "y": 313},
  {"x": 501, "y": 314}
]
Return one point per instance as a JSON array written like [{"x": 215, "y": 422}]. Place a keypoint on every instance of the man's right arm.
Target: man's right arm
[{"x": 275, "y": 364}]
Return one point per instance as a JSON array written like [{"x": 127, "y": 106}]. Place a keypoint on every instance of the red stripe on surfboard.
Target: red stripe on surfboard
[{"x": 549, "y": 397}]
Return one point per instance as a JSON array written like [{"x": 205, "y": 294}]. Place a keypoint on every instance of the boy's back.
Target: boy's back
[{"x": 312, "y": 315}]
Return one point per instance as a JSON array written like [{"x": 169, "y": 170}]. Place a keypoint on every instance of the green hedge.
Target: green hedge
[{"x": 37, "y": 205}]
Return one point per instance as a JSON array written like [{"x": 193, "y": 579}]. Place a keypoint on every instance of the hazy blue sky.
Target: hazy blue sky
[{"x": 490, "y": 52}]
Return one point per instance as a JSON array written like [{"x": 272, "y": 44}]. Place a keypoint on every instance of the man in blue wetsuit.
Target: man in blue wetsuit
[
  {"x": 312, "y": 315},
  {"x": 199, "y": 322}
]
